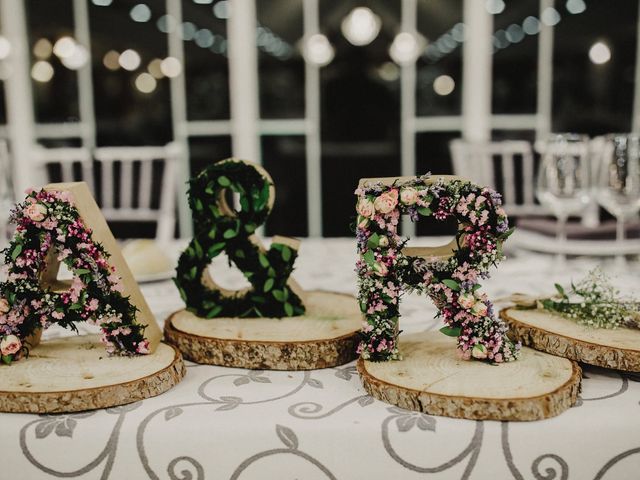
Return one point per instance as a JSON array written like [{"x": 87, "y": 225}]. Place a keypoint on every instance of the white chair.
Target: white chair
[
  {"x": 127, "y": 210},
  {"x": 66, "y": 158},
  {"x": 475, "y": 161}
]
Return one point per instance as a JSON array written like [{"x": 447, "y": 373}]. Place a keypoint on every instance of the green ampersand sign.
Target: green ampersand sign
[{"x": 219, "y": 228}]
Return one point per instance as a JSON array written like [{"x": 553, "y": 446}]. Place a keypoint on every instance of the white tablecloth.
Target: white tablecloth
[{"x": 222, "y": 423}]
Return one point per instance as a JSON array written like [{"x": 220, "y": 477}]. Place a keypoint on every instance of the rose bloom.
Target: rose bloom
[
  {"x": 384, "y": 241},
  {"x": 4, "y": 305},
  {"x": 10, "y": 345},
  {"x": 408, "y": 195},
  {"x": 36, "y": 212},
  {"x": 479, "y": 352},
  {"x": 380, "y": 269},
  {"x": 386, "y": 202},
  {"x": 466, "y": 300},
  {"x": 365, "y": 207},
  {"x": 479, "y": 309}
]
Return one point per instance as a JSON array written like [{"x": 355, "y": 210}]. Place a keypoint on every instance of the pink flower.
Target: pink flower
[
  {"x": 4, "y": 305},
  {"x": 10, "y": 345},
  {"x": 50, "y": 224},
  {"x": 408, "y": 195},
  {"x": 36, "y": 212},
  {"x": 93, "y": 304},
  {"x": 386, "y": 202},
  {"x": 58, "y": 315},
  {"x": 466, "y": 300},
  {"x": 365, "y": 207},
  {"x": 143, "y": 347}
]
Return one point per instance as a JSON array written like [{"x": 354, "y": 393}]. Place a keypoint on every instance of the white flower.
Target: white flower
[
  {"x": 362, "y": 221},
  {"x": 479, "y": 309},
  {"x": 365, "y": 208},
  {"x": 380, "y": 269},
  {"x": 10, "y": 345},
  {"x": 383, "y": 241},
  {"x": 466, "y": 300},
  {"x": 4, "y": 305},
  {"x": 479, "y": 352},
  {"x": 408, "y": 195}
]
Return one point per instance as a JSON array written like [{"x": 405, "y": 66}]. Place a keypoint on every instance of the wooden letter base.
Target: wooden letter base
[
  {"x": 432, "y": 379},
  {"x": 72, "y": 374},
  {"x": 619, "y": 348},
  {"x": 326, "y": 336}
]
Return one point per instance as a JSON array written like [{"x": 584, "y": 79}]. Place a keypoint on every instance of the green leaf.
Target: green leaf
[
  {"x": 452, "y": 284},
  {"x": 240, "y": 254},
  {"x": 451, "y": 332},
  {"x": 230, "y": 233},
  {"x": 278, "y": 295},
  {"x": 264, "y": 261},
  {"x": 560, "y": 290},
  {"x": 198, "y": 248},
  {"x": 198, "y": 205},
  {"x": 244, "y": 203},
  {"x": 82, "y": 271},
  {"x": 425, "y": 211},
  {"x": 193, "y": 272},
  {"x": 250, "y": 228},
  {"x": 268, "y": 285},
  {"x": 212, "y": 233},
  {"x": 75, "y": 306},
  {"x": 271, "y": 272},
  {"x": 286, "y": 253},
  {"x": 288, "y": 308},
  {"x": 476, "y": 287},
  {"x": 7, "y": 359},
  {"x": 16, "y": 251},
  {"x": 507, "y": 234},
  {"x": 369, "y": 257},
  {"x": 224, "y": 181},
  {"x": 214, "y": 311},
  {"x": 374, "y": 241}
]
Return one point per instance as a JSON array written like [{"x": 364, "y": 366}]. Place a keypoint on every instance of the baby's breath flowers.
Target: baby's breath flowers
[
  {"x": 385, "y": 273},
  {"x": 594, "y": 302}
]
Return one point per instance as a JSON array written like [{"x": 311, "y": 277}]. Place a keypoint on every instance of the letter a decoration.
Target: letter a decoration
[
  {"x": 430, "y": 371},
  {"x": 62, "y": 224}
]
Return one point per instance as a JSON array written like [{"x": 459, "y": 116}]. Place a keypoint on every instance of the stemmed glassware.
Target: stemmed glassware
[
  {"x": 563, "y": 183},
  {"x": 618, "y": 182}
]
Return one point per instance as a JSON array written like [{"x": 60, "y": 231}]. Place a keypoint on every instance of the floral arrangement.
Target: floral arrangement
[
  {"x": 385, "y": 272},
  {"x": 594, "y": 302},
  {"x": 217, "y": 230},
  {"x": 48, "y": 224}
]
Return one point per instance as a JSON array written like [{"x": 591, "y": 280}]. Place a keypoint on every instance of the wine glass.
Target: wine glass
[
  {"x": 618, "y": 183},
  {"x": 564, "y": 181}
]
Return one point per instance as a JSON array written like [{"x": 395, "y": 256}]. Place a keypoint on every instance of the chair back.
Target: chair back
[
  {"x": 126, "y": 178},
  {"x": 477, "y": 162}
]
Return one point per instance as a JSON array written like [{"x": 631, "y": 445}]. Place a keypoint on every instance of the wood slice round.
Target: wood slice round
[
  {"x": 72, "y": 374},
  {"x": 619, "y": 348},
  {"x": 432, "y": 379},
  {"x": 326, "y": 336}
]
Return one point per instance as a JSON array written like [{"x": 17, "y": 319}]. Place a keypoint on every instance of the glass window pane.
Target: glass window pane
[
  {"x": 284, "y": 159},
  {"x": 132, "y": 106},
  {"x": 515, "y": 57},
  {"x": 439, "y": 68},
  {"x": 280, "y": 64},
  {"x": 360, "y": 112},
  {"x": 204, "y": 30},
  {"x": 55, "y": 93},
  {"x": 207, "y": 150},
  {"x": 588, "y": 96}
]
